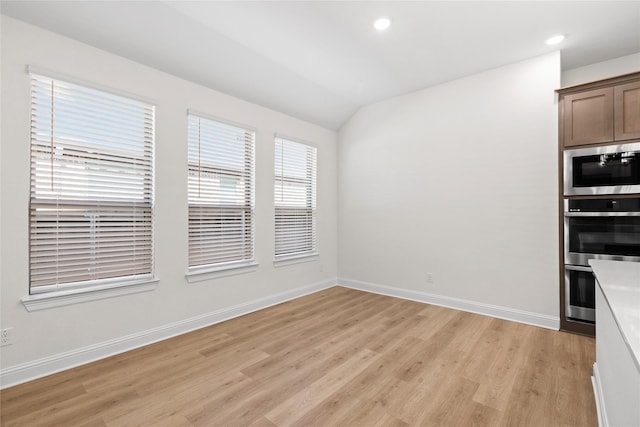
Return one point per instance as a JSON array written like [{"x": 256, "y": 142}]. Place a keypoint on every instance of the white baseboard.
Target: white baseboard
[
  {"x": 49, "y": 365},
  {"x": 597, "y": 392},
  {"x": 541, "y": 320}
]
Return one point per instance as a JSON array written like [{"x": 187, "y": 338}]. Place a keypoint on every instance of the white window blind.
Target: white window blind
[
  {"x": 221, "y": 199},
  {"x": 295, "y": 198},
  {"x": 91, "y": 198}
]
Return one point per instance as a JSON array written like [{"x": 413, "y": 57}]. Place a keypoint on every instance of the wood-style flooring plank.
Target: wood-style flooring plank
[
  {"x": 499, "y": 375},
  {"x": 339, "y": 357},
  {"x": 289, "y": 411}
]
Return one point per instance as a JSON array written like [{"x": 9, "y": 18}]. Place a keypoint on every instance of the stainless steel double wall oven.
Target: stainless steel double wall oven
[{"x": 602, "y": 221}]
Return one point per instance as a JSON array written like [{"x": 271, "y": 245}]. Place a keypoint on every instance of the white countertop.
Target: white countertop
[{"x": 620, "y": 284}]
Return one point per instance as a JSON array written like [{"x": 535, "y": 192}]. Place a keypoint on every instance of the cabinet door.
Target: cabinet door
[
  {"x": 627, "y": 111},
  {"x": 588, "y": 117}
]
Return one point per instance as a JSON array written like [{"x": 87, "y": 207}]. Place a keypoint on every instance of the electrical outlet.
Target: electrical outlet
[
  {"x": 6, "y": 337},
  {"x": 429, "y": 278}
]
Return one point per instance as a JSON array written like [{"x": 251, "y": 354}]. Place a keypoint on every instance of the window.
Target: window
[
  {"x": 295, "y": 199},
  {"x": 221, "y": 227},
  {"x": 91, "y": 204}
]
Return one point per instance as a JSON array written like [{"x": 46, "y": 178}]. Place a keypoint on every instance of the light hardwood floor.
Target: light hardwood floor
[{"x": 339, "y": 357}]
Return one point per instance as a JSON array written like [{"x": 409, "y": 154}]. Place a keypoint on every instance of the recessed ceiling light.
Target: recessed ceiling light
[
  {"x": 382, "y": 24},
  {"x": 555, "y": 39}
]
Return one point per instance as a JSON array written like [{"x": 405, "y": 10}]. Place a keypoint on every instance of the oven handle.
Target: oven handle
[
  {"x": 600, "y": 214},
  {"x": 577, "y": 268}
]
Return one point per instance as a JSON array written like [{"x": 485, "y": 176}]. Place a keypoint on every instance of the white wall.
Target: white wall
[
  {"x": 601, "y": 70},
  {"x": 54, "y": 331},
  {"x": 459, "y": 180}
]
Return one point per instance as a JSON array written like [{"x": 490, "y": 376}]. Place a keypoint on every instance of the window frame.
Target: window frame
[
  {"x": 206, "y": 271},
  {"x": 311, "y": 149},
  {"x": 59, "y": 292}
]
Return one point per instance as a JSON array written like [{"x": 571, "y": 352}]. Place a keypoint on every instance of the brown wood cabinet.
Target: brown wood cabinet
[
  {"x": 627, "y": 111},
  {"x": 600, "y": 112},
  {"x": 588, "y": 117}
]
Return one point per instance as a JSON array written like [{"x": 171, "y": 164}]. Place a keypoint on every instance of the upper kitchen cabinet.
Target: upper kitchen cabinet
[
  {"x": 588, "y": 117},
  {"x": 600, "y": 112},
  {"x": 627, "y": 111}
]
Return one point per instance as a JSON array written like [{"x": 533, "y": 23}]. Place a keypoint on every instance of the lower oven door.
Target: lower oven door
[{"x": 580, "y": 293}]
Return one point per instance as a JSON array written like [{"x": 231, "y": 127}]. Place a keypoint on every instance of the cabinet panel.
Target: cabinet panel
[
  {"x": 618, "y": 376},
  {"x": 627, "y": 111},
  {"x": 588, "y": 117}
]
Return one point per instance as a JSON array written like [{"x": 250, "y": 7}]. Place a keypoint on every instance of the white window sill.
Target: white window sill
[
  {"x": 200, "y": 274},
  {"x": 53, "y": 299},
  {"x": 295, "y": 259}
]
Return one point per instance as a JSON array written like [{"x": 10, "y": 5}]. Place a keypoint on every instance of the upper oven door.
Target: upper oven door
[
  {"x": 614, "y": 169},
  {"x": 602, "y": 229}
]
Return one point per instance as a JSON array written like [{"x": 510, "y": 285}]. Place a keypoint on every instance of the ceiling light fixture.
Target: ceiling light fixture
[
  {"x": 382, "y": 24},
  {"x": 555, "y": 39}
]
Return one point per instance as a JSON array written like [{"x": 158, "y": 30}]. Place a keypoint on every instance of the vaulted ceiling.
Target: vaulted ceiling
[{"x": 322, "y": 60}]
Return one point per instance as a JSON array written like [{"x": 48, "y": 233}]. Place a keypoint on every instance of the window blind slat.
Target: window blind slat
[
  {"x": 91, "y": 205},
  {"x": 220, "y": 191},
  {"x": 295, "y": 198}
]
